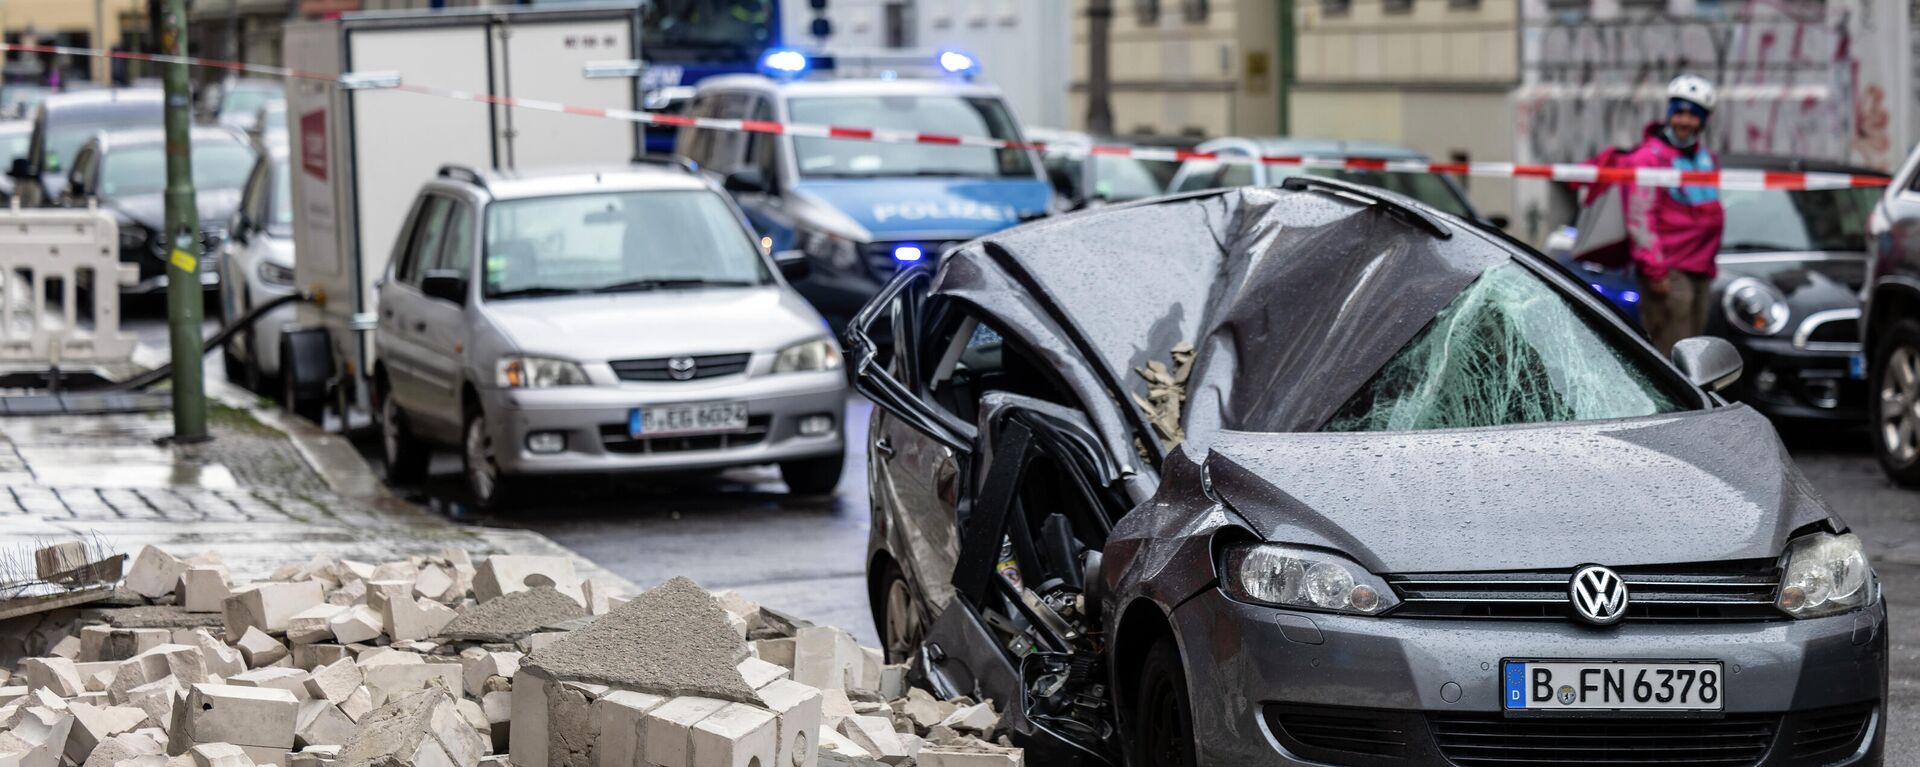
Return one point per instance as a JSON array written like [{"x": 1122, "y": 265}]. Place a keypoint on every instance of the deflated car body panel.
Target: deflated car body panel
[
  {"x": 1163, "y": 549},
  {"x": 1705, "y": 486}
]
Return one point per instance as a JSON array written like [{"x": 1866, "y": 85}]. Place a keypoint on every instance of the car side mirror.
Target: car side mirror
[
  {"x": 746, "y": 180},
  {"x": 1499, "y": 221},
  {"x": 445, "y": 285},
  {"x": 793, "y": 265},
  {"x": 1709, "y": 362},
  {"x": 19, "y": 168}
]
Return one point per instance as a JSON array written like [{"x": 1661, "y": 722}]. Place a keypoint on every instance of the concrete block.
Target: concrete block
[
  {"x": 893, "y": 680},
  {"x": 249, "y": 716},
  {"x": 314, "y": 656},
  {"x": 269, "y": 606},
  {"x": 424, "y": 729},
  {"x": 738, "y": 735},
  {"x": 123, "y": 747},
  {"x": 61, "y": 557},
  {"x": 56, "y": 674},
  {"x": 313, "y": 624},
  {"x": 434, "y": 582},
  {"x": 776, "y": 651},
  {"x": 506, "y": 574},
  {"x": 571, "y": 727},
  {"x": 45, "y": 699},
  {"x": 68, "y": 647},
  {"x": 397, "y": 679},
  {"x": 351, "y": 571},
  {"x": 335, "y": 681},
  {"x": 528, "y": 739},
  {"x": 219, "y": 755},
  {"x": 476, "y": 717},
  {"x": 617, "y": 717},
  {"x": 156, "y": 698},
  {"x": 292, "y": 680},
  {"x": 796, "y": 711},
  {"x": 154, "y": 573},
  {"x": 599, "y": 596},
  {"x": 875, "y": 734},
  {"x": 203, "y": 589},
  {"x": 395, "y": 571},
  {"x": 831, "y": 741},
  {"x": 181, "y": 663},
  {"x": 537, "y": 640},
  {"x": 358, "y": 623},
  {"x": 219, "y": 657},
  {"x": 476, "y": 668},
  {"x": 94, "y": 724},
  {"x": 827, "y": 658},
  {"x": 979, "y": 718},
  {"x": 103, "y": 643},
  {"x": 257, "y": 648},
  {"x": 925, "y": 710},
  {"x": 870, "y": 665},
  {"x": 955, "y": 756},
  {"x": 266, "y": 757},
  {"x": 666, "y": 735},
  {"x": 760, "y": 673},
  {"x": 381, "y": 593},
  {"x": 96, "y": 676},
  {"x": 358, "y": 704},
  {"x": 38, "y": 734},
  {"x": 380, "y": 656},
  {"x": 835, "y": 707},
  {"x": 409, "y": 617},
  {"x": 319, "y": 723}
]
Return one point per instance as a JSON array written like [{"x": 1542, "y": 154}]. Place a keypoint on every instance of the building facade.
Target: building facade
[
  {"x": 78, "y": 23},
  {"x": 1186, "y": 67}
]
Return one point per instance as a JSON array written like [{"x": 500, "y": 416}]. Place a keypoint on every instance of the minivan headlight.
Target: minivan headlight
[
  {"x": 1753, "y": 305},
  {"x": 818, "y": 354},
  {"x": 540, "y": 373},
  {"x": 275, "y": 274},
  {"x": 1285, "y": 576},
  {"x": 833, "y": 250},
  {"x": 1825, "y": 574}
]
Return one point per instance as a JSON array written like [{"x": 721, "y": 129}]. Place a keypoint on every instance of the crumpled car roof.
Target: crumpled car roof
[{"x": 1292, "y": 299}]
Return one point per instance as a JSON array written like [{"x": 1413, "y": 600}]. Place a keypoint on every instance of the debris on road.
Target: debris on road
[{"x": 437, "y": 662}]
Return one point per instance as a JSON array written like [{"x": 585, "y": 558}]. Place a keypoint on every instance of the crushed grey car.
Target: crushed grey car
[{"x": 1319, "y": 475}]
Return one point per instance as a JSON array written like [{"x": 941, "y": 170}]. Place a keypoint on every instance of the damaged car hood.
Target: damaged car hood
[{"x": 1691, "y": 487}]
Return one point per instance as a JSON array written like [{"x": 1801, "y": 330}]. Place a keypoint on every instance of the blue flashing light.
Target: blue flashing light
[
  {"x": 1597, "y": 288},
  {"x": 907, "y": 254},
  {"x": 1630, "y": 296},
  {"x": 958, "y": 63},
  {"x": 784, "y": 62}
]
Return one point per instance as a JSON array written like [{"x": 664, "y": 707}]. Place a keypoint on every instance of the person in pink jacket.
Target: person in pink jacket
[{"x": 1674, "y": 233}]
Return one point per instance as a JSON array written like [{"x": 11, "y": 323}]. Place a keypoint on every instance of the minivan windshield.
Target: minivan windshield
[
  {"x": 1510, "y": 349},
  {"x": 142, "y": 169},
  {"x": 949, "y": 115},
  {"x": 608, "y": 242}
]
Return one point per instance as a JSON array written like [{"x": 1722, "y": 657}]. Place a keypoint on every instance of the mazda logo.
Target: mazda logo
[
  {"x": 681, "y": 368},
  {"x": 1599, "y": 596}
]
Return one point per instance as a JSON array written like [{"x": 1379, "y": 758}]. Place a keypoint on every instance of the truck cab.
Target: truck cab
[{"x": 862, "y": 210}]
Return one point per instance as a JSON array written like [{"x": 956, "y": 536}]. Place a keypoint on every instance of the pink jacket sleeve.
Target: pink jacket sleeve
[{"x": 1641, "y": 203}]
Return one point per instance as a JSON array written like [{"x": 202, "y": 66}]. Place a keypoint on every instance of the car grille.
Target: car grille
[
  {"x": 1720, "y": 591},
  {"x": 1843, "y": 331},
  {"x": 1493, "y": 741},
  {"x": 879, "y": 255},
  {"x": 614, "y": 438},
  {"x": 1828, "y": 733},
  {"x": 660, "y": 369},
  {"x": 1335, "y": 734}
]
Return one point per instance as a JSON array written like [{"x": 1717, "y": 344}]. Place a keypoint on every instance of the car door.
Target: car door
[
  {"x": 236, "y": 295},
  {"x": 440, "y": 325},
  {"x": 766, "y": 210},
  {"x": 401, "y": 300}
]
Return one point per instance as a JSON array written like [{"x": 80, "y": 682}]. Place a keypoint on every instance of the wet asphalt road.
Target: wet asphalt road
[{"x": 739, "y": 530}]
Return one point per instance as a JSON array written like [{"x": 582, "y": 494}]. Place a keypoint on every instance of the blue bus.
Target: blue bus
[{"x": 686, "y": 41}]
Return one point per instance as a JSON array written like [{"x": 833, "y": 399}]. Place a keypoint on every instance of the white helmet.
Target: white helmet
[{"x": 1692, "y": 88}]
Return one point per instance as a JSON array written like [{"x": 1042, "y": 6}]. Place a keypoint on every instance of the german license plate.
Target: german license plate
[
  {"x": 1598, "y": 685},
  {"x": 670, "y": 420}
]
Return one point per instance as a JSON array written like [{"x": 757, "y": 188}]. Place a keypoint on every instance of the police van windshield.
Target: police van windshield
[{"x": 949, "y": 115}]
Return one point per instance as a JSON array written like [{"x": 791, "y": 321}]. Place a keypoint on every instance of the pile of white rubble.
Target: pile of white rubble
[{"x": 439, "y": 662}]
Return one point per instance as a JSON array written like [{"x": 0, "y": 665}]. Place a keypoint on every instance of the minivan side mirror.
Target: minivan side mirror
[
  {"x": 19, "y": 168},
  {"x": 1709, "y": 362},
  {"x": 793, "y": 265},
  {"x": 446, "y": 285},
  {"x": 746, "y": 180}
]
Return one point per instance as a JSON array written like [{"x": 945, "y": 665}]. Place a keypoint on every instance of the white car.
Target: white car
[{"x": 257, "y": 267}]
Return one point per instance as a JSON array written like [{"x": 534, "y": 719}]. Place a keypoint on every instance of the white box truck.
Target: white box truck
[{"x": 362, "y": 151}]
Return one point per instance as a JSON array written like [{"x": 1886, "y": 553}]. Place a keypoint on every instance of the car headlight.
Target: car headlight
[
  {"x": 275, "y": 274},
  {"x": 1826, "y": 574},
  {"x": 540, "y": 373},
  {"x": 1285, "y": 576},
  {"x": 834, "y": 250},
  {"x": 133, "y": 237},
  {"x": 1755, "y": 306},
  {"x": 818, "y": 354}
]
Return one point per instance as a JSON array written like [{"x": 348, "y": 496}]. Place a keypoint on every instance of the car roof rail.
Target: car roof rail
[
  {"x": 668, "y": 161},
  {"x": 1380, "y": 198},
  {"x": 463, "y": 173}
]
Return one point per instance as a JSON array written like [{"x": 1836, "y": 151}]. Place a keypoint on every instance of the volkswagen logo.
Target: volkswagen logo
[
  {"x": 1599, "y": 596},
  {"x": 681, "y": 368}
]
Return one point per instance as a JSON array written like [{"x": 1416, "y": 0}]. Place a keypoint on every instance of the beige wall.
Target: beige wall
[
  {"x": 51, "y": 16},
  {"x": 1437, "y": 41},
  {"x": 1176, "y": 76}
]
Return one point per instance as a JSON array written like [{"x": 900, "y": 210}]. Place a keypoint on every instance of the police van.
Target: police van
[{"x": 862, "y": 210}]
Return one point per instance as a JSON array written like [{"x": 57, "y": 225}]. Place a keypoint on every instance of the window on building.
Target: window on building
[
  {"x": 1396, "y": 6},
  {"x": 899, "y": 25},
  {"x": 1463, "y": 5},
  {"x": 1195, "y": 11},
  {"x": 1570, "y": 6},
  {"x": 1146, "y": 12},
  {"x": 1336, "y": 7}
]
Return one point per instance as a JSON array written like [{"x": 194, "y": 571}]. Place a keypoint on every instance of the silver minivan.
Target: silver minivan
[{"x": 598, "y": 321}]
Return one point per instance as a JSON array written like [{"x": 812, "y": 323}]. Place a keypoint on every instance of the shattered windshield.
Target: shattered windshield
[{"x": 1508, "y": 350}]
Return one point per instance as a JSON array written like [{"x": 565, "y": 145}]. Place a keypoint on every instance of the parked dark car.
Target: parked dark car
[
  {"x": 15, "y": 137},
  {"x": 65, "y": 121},
  {"x": 1792, "y": 265},
  {"x": 1084, "y": 179},
  {"x": 1328, "y": 476},
  {"x": 126, "y": 171},
  {"x": 1891, "y": 334}
]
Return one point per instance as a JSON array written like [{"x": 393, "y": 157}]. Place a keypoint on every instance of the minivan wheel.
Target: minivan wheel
[
  {"x": 491, "y": 490},
  {"x": 1162, "y": 715},
  {"x": 813, "y": 476},
  {"x": 1895, "y": 402},
  {"x": 900, "y": 629},
  {"x": 236, "y": 368},
  {"x": 405, "y": 454}
]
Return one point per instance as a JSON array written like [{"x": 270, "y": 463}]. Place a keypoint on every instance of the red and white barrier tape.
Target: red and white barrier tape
[{"x": 1732, "y": 179}]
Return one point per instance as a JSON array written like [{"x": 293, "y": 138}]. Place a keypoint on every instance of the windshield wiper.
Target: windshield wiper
[
  {"x": 669, "y": 283},
  {"x": 536, "y": 291}
]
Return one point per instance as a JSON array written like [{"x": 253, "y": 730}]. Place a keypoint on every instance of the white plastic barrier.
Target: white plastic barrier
[{"x": 60, "y": 276}]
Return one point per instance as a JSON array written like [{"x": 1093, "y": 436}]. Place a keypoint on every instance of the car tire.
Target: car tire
[
  {"x": 898, "y": 621},
  {"x": 406, "y": 456},
  {"x": 813, "y": 476},
  {"x": 235, "y": 368},
  {"x": 490, "y": 489},
  {"x": 1162, "y": 714},
  {"x": 311, "y": 408},
  {"x": 1894, "y": 402}
]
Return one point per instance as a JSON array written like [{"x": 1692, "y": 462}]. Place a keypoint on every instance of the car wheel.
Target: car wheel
[
  {"x": 235, "y": 368},
  {"x": 1895, "y": 402},
  {"x": 814, "y": 476},
  {"x": 900, "y": 629},
  {"x": 491, "y": 490},
  {"x": 405, "y": 454},
  {"x": 311, "y": 408},
  {"x": 1162, "y": 715}
]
